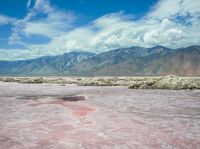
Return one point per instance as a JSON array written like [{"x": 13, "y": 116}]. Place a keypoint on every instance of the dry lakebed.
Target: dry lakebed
[{"x": 99, "y": 113}]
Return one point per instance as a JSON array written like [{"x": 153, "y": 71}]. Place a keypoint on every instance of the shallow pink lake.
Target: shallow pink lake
[{"x": 44, "y": 116}]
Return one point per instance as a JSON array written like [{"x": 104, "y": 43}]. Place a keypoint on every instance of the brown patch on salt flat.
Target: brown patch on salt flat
[
  {"x": 77, "y": 109},
  {"x": 73, "y": 98},
  {"x": 60, "y": 101}
]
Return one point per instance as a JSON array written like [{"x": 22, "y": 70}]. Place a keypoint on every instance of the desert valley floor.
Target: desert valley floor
[{"x": 50, "y": 116}]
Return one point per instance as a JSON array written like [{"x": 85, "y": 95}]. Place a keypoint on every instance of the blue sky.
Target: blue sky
[{"x": 34, "y": 28}]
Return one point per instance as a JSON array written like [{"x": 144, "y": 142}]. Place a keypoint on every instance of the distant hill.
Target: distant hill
[
  {"x": 120, "y": 62},
  {"x": 48, "y": 65},
  {"x": 142, "y": 61}
]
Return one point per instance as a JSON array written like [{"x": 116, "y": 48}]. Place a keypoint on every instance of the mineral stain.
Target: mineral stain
[{"x": 73, "y": 98}]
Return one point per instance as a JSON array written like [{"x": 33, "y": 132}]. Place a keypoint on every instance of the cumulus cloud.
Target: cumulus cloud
[
  {"x": 118, "y": 30},
  {"x": 165, "y": 33},
  {"x": 170, "y": 23},
  {"x": 173, "y": 8}
]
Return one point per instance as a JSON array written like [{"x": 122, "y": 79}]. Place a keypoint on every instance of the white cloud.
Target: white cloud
[
  {"x": 52, "y": 23},
  {"x": 172, "y": 8},
  {"x": 163, "y": 25},
  {"x": 43, "y": 6},
  {"x": 165, "y": 33},
  {"x": 113, "y": 31},
  {"x": 6, "y": 20}
]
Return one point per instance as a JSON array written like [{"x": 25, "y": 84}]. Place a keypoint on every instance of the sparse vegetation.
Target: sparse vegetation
[
  {"x": 167, "y": 82},
  {"x": 32, "y": 81}
]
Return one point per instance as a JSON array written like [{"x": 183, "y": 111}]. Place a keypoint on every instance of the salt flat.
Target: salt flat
[{"x": 53, "y": 116}]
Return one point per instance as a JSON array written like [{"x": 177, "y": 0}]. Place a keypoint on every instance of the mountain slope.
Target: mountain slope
[
  {"x": 120, "y": 62},
  {"x": 183, "y": 62},
  {"x": 49, "y": 65},
  {"x": 151, "y": 61}
]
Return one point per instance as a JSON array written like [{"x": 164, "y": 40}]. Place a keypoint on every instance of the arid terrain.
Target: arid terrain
[
  {"x": 139, "y": 82},
  {"x": 62, "y": 115}
]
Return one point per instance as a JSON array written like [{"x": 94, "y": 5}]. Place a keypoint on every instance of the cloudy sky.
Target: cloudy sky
[{"x": 34, "y": 28}]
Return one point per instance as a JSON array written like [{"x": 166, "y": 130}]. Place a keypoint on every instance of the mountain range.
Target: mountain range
[{"x": 133, "y": 61}]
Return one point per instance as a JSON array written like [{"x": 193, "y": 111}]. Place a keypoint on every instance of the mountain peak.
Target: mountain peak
[{"x": 130, "y": 61}]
